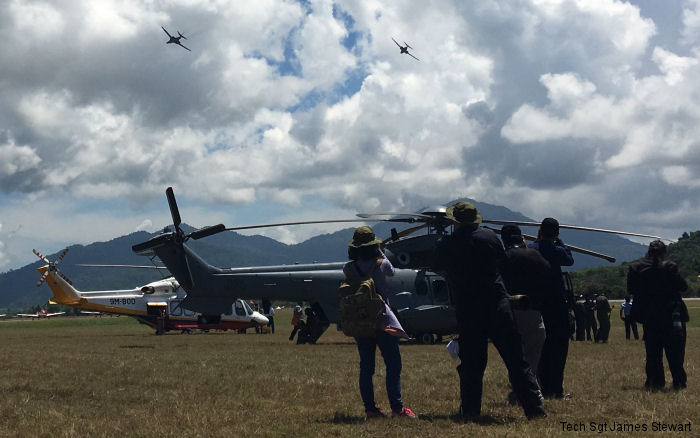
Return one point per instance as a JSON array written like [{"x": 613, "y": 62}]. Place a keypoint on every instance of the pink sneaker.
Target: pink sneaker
[
  {"x": 404, "y": 412},
  {"x": 378, "y": 413}
]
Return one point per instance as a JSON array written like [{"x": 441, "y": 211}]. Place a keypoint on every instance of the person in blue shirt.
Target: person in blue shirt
[
  {"x": 630, "y": 325},
  {"x": 555, "y": 310}
]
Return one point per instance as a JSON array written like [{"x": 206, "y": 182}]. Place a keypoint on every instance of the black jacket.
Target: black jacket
[
  {"x": 656, "y": 286},
  {"x": 471, "y": 259},
  {"x": 524, "y": 272}
]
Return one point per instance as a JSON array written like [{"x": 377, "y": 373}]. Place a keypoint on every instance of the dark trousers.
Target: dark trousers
[
  {"x": 389, "y": 347},
  {"x": 656, "y": 342},
  {"x": 591, "y": 326},
  {"x": 556, "y": 347},
  {"x": 580, "y": 329},
  {"x": 298, "y": 326},
  {"x": 631, "y": 325},
  {"x": 603, "y": 328},
  {"x": 495, "y": 322}
]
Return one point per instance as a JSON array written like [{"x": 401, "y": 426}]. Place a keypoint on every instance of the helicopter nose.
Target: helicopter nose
[{"x": 260, "y": 319}]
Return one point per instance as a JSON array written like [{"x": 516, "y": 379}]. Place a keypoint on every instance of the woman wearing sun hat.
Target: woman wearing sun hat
[{"x": 368, "y": 259}]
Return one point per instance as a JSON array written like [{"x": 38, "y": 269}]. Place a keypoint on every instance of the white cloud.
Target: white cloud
[
  {"x": 36, "y": 20},
  {"x": 146, "y": 225},
  {"x": 542, "y": 105},
  {"x": 15, "y": 159}
]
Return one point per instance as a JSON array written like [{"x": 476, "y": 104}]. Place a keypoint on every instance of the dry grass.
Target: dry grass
[{"x": 113, "y": 377}]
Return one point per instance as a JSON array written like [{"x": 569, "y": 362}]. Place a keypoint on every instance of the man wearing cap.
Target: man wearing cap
[
  {"x": 471, "y": 258},
  {"x": 524, "y": 272},
  {"x": 555, "y": 310}
]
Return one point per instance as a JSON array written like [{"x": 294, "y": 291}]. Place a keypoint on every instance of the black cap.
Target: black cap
[
  {"x": 656, "y": 249},
  {"x": 510, "y": 233},
  {"x": 549, "y": 227}
]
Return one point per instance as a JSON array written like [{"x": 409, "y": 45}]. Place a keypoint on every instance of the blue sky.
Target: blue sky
[{"x": 582, "y": 110}]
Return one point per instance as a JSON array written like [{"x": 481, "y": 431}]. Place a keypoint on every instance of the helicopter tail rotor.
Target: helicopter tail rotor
[{"x": 52, "y": 266}]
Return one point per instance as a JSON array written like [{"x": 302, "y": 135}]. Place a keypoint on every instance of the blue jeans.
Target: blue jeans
[{"x": 389, "y": 347}]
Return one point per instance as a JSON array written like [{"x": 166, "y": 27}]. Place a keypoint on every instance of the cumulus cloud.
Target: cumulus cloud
[
  {"x": 15, "y": 159},
  {"x": 540, "y": 105},
  {"x": 146, "y": 225}
]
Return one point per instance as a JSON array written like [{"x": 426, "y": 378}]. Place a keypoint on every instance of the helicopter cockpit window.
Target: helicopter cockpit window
[
  {"x": 421, "y": 288},
  {"x": 175, "y": 308},
  {"x": 240, "y": 310},
  {"x": 440, "y": 293},
  {"x": 248, "y": 309}
]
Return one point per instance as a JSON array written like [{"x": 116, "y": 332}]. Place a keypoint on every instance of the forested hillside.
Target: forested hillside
[{"x": 613, "y": 280}]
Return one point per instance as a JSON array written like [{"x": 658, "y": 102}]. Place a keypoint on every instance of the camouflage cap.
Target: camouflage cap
[
  {"x": 464, "y": 213},
  {"x": 364, "y": 236}
]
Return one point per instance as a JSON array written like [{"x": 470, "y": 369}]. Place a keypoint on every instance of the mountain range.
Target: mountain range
[{"x": 229, "y": 249}]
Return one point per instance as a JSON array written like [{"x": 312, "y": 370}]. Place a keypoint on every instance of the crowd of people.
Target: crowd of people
[{"x": 514, "y": 295}]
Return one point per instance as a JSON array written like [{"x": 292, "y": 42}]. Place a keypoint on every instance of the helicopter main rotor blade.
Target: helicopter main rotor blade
[
  {"x": 570, "y": 227},
  {"x": 121, "y": 266},
  {"x": 283, "y": 224},
  {"x": 414, "y": 216},
  {"x": 403, "y": 233},
  {"x": 611, "y": 259},
  {"x": 174, "y": 212}
]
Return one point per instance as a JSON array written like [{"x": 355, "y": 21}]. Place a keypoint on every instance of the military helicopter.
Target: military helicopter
[{"x": 421, "y": 296}]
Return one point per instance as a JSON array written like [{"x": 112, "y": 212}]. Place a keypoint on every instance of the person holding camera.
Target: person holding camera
[{"x": 555, "y": 310}]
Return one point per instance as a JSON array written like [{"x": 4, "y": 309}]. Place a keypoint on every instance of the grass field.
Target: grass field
[{"x": 113, "y": 377}]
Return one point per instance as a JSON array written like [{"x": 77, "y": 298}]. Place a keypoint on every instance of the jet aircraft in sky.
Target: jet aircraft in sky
[
  {"x": 404, "y": 49},
  {"x": 175, "y": 40}
]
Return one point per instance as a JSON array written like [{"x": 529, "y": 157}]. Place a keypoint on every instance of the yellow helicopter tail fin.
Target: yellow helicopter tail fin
[{"x": 63, "y": 292}]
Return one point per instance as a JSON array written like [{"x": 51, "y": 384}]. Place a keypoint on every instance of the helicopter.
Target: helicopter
[
  {"x": 156, "y": 304},
  {"x": 421, "y": 296}
]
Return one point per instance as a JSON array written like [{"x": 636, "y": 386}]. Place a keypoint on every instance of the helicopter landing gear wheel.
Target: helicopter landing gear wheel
[{"x": 427, "y": 339}]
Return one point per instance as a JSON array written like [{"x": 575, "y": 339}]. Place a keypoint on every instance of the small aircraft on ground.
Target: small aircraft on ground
[
  {"x": 42, "y": 313},
  {"x": 404, "y": 49},
  {"x": 421, "y": 296},
  {"x": 175, "y": 40},
  {"x": 157, "y": 304}
]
